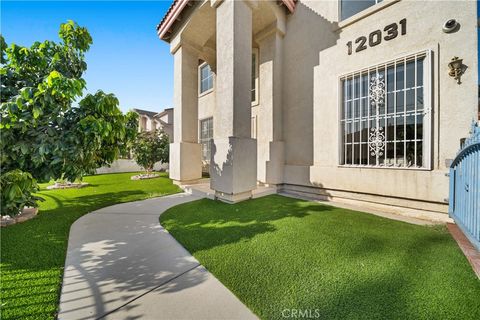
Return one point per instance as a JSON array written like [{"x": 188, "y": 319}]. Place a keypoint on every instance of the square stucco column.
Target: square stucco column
[
  {"x": 269, "y": 136},
  {"x": 185, "y": 151},
  {"x": 233, "y": 167}
]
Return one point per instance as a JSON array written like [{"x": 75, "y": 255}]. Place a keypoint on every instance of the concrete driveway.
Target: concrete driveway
[{"x": 121, "y": 264}]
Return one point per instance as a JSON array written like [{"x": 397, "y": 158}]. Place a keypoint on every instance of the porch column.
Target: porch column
[
  {"x": 185, "y": 151},
  {"x": 269, "y": 136},
  {"x": 233, "y": 166}
]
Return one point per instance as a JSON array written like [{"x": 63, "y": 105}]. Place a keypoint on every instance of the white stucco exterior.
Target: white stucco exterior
[{"x": 291, "y": 136}]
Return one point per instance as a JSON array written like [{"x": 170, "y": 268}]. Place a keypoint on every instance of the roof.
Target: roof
[
  {"x": 178, "y": 6},
  {"x": 145, "y": 112}
]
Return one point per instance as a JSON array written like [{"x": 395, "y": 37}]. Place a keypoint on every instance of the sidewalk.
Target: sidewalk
[{"x": 121, "y": 264}]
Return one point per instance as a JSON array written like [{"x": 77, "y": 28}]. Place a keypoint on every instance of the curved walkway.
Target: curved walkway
[{"x": 121, "y": 264}]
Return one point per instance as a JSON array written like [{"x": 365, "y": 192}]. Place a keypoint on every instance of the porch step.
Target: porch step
[
  {"x": 203, "y": 190},
  {"x": 200, "y": 189}
]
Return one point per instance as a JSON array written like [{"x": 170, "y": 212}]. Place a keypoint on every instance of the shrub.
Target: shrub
[
  {"x": 17, "y": 188},
  {"x": 149, "y": 148}
]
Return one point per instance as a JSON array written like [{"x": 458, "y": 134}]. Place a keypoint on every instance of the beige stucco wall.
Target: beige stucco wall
[
  {"x": 453, "y": 106},
  {"x": 299, "y": 109}
]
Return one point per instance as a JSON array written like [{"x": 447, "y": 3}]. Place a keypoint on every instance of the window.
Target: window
[
  {"x": 143, "y": 123},
  {"x": 385, "y": 116},
  {"x": 254, "y": 90},
  {"x": 254, "y": 127},
  {"x": 350, "y": 7},
  {"x": 206, "y": 134},
  {"x": 206, "y": 78}
]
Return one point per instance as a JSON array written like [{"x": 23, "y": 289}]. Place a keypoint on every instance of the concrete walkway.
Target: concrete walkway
[{"x": 121, "y": 264}]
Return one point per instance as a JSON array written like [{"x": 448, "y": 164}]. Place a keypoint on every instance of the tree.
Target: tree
[
  {"x": 43, "y": 132},
  {"x": 149, "y": 148}
]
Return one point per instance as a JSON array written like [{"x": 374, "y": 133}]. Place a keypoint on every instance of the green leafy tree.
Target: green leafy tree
[
  {"x": 149, "y": 148},
  {"x": 44, "y": 132},
  {"x": 17, "y": 188}
]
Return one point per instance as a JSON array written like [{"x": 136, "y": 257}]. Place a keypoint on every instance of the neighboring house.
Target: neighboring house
[
  {"x": 335, "y": 99},
  {"x": 150, "y": 121}
]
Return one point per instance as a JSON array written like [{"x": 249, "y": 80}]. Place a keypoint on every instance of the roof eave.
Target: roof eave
[{"x": 173, "y": 13}]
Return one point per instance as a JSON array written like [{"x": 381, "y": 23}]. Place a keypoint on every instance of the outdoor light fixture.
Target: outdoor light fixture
[{"x": 456, "y": 68}]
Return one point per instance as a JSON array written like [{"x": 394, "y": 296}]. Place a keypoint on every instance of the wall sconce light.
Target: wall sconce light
[{"x": 456, "y": 69}]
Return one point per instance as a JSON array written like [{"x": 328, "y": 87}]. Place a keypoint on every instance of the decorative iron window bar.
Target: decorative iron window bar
[
  {"x": 385, "y": 114},
  {"x": 206, "y": 134}
]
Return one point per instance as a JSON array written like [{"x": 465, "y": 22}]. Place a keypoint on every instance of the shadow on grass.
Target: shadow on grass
[
  {"x": 201, "y": 229},
  {"x": 277, "y": 253}
]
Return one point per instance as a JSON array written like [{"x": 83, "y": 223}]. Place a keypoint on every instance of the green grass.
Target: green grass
[
  {"x": 33, "y": 252},
  {"x": 278, "y": 253}
]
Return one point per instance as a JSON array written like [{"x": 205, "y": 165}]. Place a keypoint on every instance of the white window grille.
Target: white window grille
[
  {"x": 206, "y": 134},
  {"x": 385, "y": 114},
  {"x": 206, "y": 78}
]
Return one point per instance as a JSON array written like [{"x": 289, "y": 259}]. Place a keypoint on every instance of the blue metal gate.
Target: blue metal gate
[{"x": 464, "y": 198}]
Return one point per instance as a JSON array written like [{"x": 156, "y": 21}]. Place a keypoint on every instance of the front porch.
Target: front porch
[{"x": 241, "y": 41}]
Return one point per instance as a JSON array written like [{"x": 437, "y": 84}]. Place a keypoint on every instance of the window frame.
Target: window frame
[
  {"x": 200, "y": 67},
  {"x": 255, "y": 52},
  {"x": 200, "y": 140},
  {"x": 428, "y": 110},
  {"x": 340, "y": 19}
]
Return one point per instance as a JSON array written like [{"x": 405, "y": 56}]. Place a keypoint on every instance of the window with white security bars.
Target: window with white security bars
[{"x": 385, "y": 114}]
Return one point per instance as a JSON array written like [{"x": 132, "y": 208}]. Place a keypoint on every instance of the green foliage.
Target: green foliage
[
  {"x": 42, "y": 132},
  {"x": 149, "y": 148},
  {"x": 17, "y": 188}
]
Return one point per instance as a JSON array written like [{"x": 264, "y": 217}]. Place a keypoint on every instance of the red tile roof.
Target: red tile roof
[{"x": 164, "y": 27}]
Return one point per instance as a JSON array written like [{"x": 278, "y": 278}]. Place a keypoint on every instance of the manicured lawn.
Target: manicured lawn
[
  {"x": 277, "y": 253},
  {"x": 33, "y": 252}
]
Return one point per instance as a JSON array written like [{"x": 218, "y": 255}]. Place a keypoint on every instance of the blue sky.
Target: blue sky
[{"x": 126, "y": 58}]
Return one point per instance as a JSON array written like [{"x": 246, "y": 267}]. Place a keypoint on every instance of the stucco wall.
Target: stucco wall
[
  {"x": 453, "y": 106},
  {"x": 313, "y": 55}
]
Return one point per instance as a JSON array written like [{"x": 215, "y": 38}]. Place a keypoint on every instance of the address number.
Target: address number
[{"x": 390, "y": 32}]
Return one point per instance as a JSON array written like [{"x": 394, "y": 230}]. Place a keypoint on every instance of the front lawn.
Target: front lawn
[
  {"x": 285, "y": 257},
  {"x": 33, "y": 252}
]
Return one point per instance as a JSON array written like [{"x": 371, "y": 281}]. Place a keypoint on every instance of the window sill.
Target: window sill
[
  {"x": 365, "y": 13},
  {"x": 205, "y": 93},
  {"x": 382, "y": 167},
  {"x": 255, "y": 104}
]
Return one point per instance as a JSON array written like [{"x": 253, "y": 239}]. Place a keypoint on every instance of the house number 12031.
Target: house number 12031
[{"x": 390, "y": 32}]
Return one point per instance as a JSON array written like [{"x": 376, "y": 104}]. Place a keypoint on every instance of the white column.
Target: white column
[
  {"x": 185, "y": 151},
  {"x": 269, "y": 136},
  {"x": 233, "y": 167}
]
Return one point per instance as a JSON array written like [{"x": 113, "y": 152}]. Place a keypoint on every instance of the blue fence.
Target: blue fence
[{"x": 464, "y": 198}]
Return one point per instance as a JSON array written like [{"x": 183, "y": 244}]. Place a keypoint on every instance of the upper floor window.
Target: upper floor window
[
  {"x": 385, "y": 114},
  {"x": 206, "y": 78},
  {"x": 350, "y": 7},
  {"x": 254, "y": 90}
]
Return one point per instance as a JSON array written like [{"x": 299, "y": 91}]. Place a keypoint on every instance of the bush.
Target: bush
[
  {"x": 17, "y": 188},
  {"x": 149, "y": 148}
]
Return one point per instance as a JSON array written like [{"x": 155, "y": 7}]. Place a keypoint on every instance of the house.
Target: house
[
  {"x": 362, "y": 101},
  {"x": 151, "y": 121}
]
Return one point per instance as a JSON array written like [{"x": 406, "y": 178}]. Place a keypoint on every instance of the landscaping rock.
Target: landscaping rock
[
  {"x": 67, "y": 185},
  {"x": 145, "y": 176},
  {"x": 27, "y": 214}
]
